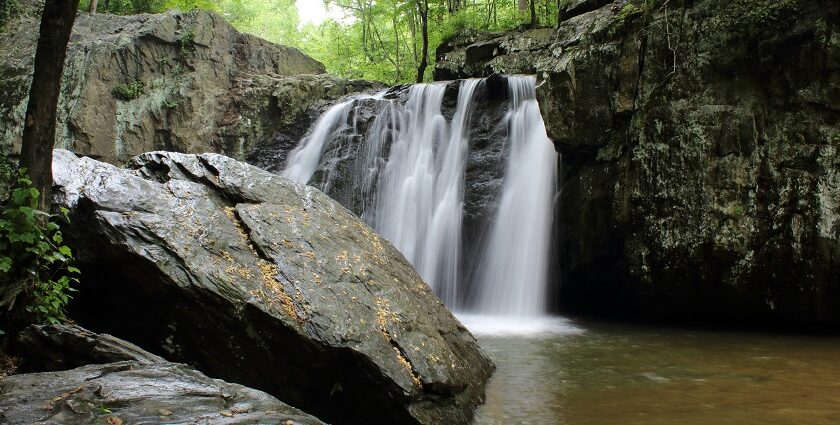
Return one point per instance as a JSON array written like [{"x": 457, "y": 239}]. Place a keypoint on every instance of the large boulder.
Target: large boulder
[
  {"x": 260, "y": 281},
  {"x": 699, "y": 145},
  {"x": 189, "y": 82}
]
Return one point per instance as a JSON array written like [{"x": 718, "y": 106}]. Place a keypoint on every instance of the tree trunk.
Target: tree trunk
[
  {"x": 423, "y": 9},
  {"x": 533, "y": 14},
  {"x": 92, "y": 8},
  {"x": 523, "y": 5},
  {"x": 39, "y": 128}
]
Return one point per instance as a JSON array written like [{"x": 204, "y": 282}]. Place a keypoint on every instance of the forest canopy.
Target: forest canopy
[{"x": 371, "y": 39}]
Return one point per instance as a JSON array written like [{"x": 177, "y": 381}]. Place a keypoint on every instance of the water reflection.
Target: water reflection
[{"x": 611, "y": 374}]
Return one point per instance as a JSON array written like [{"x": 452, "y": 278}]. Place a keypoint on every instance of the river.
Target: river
[{"x": 601, "y": 373}]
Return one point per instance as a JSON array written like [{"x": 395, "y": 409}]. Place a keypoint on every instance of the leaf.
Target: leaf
[
  {"x": 5, "y": 264},
  {"x": 72, "y": 269},
  {"x": 64, "y": 249}
]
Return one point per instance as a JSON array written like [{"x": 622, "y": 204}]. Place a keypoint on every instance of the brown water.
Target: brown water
[{"x": 611, "y": 374}]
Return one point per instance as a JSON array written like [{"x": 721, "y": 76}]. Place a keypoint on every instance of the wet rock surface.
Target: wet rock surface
[
  {"x": 699, "y": 155},
  {"x": 260, "y": 281},
  {"x": 71, "y": 375},
  {"x": 130, "y": 392}
]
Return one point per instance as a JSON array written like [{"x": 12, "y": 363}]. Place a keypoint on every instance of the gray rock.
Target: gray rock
[
  {"x": 699, "y": 147},
  {"x": 134, "y": 392},
  {"x": 267, "y": 283},
  {"x": 60, "y": 347},
  {"x": 207, "y": 87}
]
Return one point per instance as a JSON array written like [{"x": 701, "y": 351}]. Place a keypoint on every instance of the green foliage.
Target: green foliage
[
  {"x": 32, "y": 251},
  {"x": 126, "y": 7},
  {"x": 770, "y": 12},
  {"x": 186, "y": 43},
  {"x": 129, "y": 91},
  {"x": 375, "y": 39}
]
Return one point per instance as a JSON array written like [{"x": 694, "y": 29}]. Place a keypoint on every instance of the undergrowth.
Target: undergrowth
[{"x": 33, "y": 255}]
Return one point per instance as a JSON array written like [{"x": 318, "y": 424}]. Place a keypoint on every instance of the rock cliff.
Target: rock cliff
[
  {"x": 186, "y": 82},
  {"x": 699, "y": 145}
]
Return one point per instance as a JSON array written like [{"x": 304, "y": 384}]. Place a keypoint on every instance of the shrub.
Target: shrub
[
  {"x": 129, "y": 91},
  {"x": 32, "y": 253}
]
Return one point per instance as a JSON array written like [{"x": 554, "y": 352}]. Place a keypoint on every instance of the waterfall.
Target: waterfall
[
  {"x": 511, "y": 278},
  {"x": 408, "y": 184},
  {"x": 304, "y": 159},
  {"x": 421, "y": 192}
]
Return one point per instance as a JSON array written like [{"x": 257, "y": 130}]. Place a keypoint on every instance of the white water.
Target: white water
[
  {"x": 410, "y": 183},
  {"x": 304, "y": 159},
  {"x": 421, "y": 190},
  {"x": 512, "y": 273},
  {"x": 531, "y": 326}
]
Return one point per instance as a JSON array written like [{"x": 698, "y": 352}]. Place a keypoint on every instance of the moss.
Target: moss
[
  {"x": 752, "y": 15},
  {"x": 129, "y": 91},
  {"x": 9, "y": 9},
  {"x": 630, "y": 11}
]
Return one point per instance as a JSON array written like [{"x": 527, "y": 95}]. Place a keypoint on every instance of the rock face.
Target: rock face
[
  {"x": 190, "y": 83},
  {"x": 699, "y": 145},
  {"x": 136, "y": 392},
  {"x": 263, "y": 282}
]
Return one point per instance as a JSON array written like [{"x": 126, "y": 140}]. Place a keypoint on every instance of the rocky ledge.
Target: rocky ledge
[
  {"x": 700, "y": 151},
  {"x": 119, "y": 383},
  {"x": 256, "y": 280}
]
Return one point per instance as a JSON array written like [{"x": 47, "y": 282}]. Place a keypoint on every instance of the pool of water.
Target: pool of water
[{"x": 563, "y": 372}]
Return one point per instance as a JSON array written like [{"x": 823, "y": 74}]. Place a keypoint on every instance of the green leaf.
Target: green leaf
[
  {"x": 5, "y": 264},
  {"x": 72, "y": 269},
  {"x": 65, "y": 250}
]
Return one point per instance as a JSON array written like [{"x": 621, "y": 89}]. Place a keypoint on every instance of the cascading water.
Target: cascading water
[
  {"x": 409, "y": 186},
  {"x": 304, "y": 159},
  {"x": 511, "y": 278},
  {"x": 421, "y": 189}
]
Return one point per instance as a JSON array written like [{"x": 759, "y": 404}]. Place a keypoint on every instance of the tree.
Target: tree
[
  {"x": 423, "y": 11},
  {"x": 39, "y": 125},
  {"x": 92, "y": 7}
]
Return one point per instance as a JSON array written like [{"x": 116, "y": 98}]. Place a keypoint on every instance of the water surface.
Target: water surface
[{"x": 593, "y": 373}]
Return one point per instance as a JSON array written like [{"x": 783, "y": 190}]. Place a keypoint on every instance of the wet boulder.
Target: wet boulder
[
  {"x": 130, "y": 392},
  {"x": 271, "y": 284}
]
